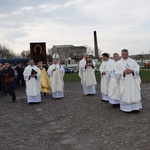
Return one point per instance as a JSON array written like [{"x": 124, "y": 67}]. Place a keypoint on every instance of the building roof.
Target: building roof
[
  {"x": 62, "y": 46},
  {"x": 65, "y": 46}
]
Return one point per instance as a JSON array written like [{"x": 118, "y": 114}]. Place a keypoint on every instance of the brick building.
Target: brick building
[{"x": 69, "y": 53}]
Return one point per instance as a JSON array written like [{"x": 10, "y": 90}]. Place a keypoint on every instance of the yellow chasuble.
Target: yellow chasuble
[{"x": 45, "y": 81}]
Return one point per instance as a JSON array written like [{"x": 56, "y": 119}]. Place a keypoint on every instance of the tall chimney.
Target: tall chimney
[{"x": 95, "y": 45}]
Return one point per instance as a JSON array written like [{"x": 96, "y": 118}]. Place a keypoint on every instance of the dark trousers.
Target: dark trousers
[
  {"x": 4, "y": 88},
  {"x": 22, "y": 81},
  {"x": 10, "y": 90}
]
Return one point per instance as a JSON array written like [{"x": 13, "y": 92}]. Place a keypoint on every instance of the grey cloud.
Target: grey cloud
[
  {"x": 117, "y": 21},
  {"x": 11, "y": 35},
  {"x": 14, "y": 5}
]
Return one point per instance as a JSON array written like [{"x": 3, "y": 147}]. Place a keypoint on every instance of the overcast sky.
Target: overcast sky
[{"x": 119, "y": 24}]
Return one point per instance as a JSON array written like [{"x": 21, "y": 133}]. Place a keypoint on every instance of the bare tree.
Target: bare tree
[
  {"x": 25, "y": 54},
  {"x": 49, "y": 55},
  {"x": 6, "y": 52},
  {"x": 89, "y": 50}
]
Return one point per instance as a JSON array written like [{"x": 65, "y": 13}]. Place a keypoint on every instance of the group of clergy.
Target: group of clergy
[
  {"x": 39, "y": 81},
  {"x": 120, "y": 80}
]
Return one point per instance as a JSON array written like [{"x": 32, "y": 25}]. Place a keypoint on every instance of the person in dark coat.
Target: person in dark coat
[
  {"x": 2, "y": 81},
  {"x": 20, "y": 70},
  {"x": 1, "y": 65},
  {"x": 8, "y": 75}
]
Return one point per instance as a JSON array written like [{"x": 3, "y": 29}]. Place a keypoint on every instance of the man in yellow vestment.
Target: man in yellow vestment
[{"x": 44, "y": 79}]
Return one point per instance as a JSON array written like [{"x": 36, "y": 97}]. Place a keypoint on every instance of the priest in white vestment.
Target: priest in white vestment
[
  {"x": 130, "y": 90},
  {"x": 105, "y": 70},
  {"x": 33, "y": 86},
  {"x": 87, "y": 75},
  {"x": 113, "y": 92},
  {"x": 56, "y": 73}
]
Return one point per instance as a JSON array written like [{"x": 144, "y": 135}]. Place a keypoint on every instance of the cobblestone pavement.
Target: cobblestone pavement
[{"x": 76, "y": 122}]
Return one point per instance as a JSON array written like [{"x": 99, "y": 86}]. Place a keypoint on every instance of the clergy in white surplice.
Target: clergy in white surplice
[
  {"x": 130, "y": 91},
  {"x": 33, "y": 86},
  {"x": 87, "y": 75},
  {"x": 56, "y": 73},
  {"x": 113, "y": 92},
  {"x": 105, "y": 70}
]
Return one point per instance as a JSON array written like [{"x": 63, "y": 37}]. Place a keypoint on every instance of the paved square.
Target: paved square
[{"x": 76, "y": 122}]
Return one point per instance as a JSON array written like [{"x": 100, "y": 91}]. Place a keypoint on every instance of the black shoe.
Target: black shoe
[
  {"x": 116, "y": 105},
  {"x": 13, "y": 100}
]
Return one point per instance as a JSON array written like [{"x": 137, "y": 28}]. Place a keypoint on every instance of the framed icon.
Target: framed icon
[{"x": 38, "y": 52}]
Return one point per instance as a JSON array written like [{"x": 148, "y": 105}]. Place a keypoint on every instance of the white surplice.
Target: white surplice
[
  {"x": 113, "y": 92},
  {"x": 33, "y": 86},
  {"x": 56, "y": 80},
  {"x": 87, "y": 75},
  {"x": 107, "y": 68},
  {"x": 129, "y": 85}
]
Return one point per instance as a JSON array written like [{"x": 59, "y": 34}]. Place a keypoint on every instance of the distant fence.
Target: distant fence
[{"x": 145, "y": 69}]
